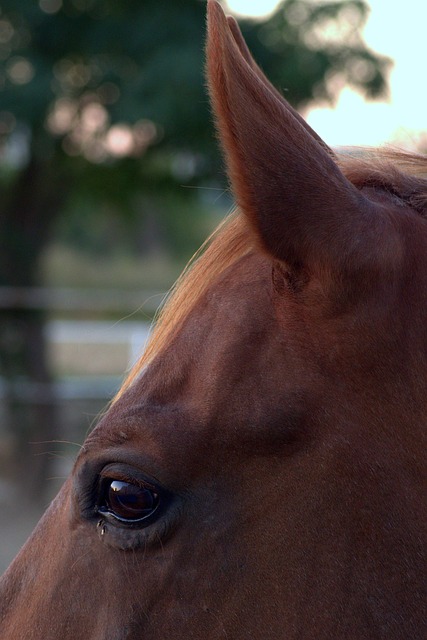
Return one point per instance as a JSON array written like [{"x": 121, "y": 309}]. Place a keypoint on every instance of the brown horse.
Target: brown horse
[{"x": 261, "y": 474}]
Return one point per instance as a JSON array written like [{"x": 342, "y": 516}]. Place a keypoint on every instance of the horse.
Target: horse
[{"x": 261, "y": 472}]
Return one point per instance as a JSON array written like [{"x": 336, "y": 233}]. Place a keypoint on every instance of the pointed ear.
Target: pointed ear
[
  {"x": 244, "y": 50},
  {"x": 302, "y": 208}
]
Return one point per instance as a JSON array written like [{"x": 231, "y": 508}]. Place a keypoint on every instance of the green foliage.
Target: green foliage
[
  {"x": 138, "y": 60},
  {"x": 306, "y": 45},
  {"x": 106, "y": 99}
]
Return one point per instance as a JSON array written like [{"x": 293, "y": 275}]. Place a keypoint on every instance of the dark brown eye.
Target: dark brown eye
[{"x": 128, "y": 502}]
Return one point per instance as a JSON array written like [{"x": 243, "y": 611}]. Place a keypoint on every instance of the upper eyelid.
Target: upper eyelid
[
  {"x": 113, "y": 471},
  {"x": 145, "y": 466}
]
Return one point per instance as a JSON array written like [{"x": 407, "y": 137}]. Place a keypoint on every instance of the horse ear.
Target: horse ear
[
  {"x": 303, "y": 209},
  {"x": 244, "y": 50}
]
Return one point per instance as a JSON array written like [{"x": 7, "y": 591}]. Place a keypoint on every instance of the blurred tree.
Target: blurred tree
[{"x": 105, "y": 99}]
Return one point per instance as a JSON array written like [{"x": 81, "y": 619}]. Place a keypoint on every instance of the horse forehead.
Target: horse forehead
[
  {"x": 214, "y": 371},
  {"x": 239, "y": 295},
  {"x": 234, "y": 316},
  {"x": 231, "y": 332}
]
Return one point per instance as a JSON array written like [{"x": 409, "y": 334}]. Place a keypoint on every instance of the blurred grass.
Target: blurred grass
[
  {"x": 110, "y": 253},
  {"x": 66, "y": 266}
]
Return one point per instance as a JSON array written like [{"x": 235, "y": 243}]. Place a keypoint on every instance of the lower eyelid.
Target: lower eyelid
[
  {"x": 104, "y": 513},
  {"x": 154, "y": 533}
]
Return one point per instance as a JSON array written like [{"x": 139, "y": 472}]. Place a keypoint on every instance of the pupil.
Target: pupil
[{"x": 129, "y": 501}]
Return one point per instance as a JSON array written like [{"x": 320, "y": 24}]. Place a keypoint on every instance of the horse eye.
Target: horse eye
[{"x": 128, "y": 502}]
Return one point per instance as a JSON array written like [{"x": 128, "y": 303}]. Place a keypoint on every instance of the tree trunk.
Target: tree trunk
[{"x": 25, "y": 221}]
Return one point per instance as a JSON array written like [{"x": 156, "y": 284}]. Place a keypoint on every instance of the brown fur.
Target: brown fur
[
  {"x": 402, "y": 174},
  {"x": 279, "y": 414}
]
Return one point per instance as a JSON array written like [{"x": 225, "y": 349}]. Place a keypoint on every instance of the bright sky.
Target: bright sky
[{"x": 394, "y": 29}]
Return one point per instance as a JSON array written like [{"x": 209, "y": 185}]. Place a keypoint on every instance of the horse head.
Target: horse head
[{"x": 260, "y": 475}]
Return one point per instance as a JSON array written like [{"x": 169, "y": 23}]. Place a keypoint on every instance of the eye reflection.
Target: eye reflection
[{"x": 127, "y": 501}]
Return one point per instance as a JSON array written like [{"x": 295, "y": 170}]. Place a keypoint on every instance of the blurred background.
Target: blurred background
[{"x": 110, "y": 179}]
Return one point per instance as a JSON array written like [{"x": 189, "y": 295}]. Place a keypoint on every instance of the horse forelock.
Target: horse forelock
[{"x": 399, "y": 173}]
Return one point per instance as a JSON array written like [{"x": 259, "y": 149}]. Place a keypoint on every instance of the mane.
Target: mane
[{"x": 402, "y": 174}]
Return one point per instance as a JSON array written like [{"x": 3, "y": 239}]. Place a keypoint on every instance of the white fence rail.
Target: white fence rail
[{"x": 88, "y": 358}]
